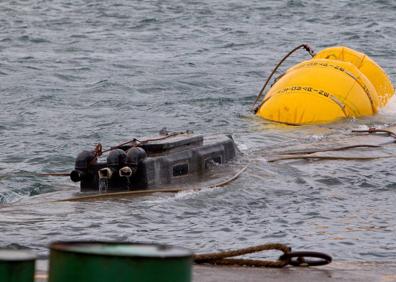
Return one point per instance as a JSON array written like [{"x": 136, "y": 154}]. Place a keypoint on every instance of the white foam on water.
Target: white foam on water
[{"x": 390, "y": 108}]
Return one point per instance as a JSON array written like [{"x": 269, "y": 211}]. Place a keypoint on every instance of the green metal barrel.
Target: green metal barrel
[
  {"x": 17, "y": 266},
  {"x": 118, "y": 262}
]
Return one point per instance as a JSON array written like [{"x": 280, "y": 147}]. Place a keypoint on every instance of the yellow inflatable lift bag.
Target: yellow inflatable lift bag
[{"x": 336, "y": 83}]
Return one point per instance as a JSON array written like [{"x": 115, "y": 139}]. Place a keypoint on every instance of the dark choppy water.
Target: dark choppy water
[{"x": 74, "y": 73}]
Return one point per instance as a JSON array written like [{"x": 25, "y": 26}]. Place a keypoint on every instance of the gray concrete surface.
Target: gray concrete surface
[
  {"x": 381, "y": 272},
  {"x": 336, "y": 271}
]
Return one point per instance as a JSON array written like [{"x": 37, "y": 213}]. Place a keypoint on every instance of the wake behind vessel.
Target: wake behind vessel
[{"x": 170, "y": 158}]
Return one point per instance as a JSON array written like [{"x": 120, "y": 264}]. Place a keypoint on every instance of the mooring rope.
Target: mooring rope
[
  {"x": 311, "y": 151},
  {"x": 373, "y": 130},
  {"x": 223, "y": 258},
  {"x": 312, "y": 156}
]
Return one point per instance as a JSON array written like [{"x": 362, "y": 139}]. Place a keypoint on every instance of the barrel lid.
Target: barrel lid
[
  {"x": 16, "y": 255},
  {"x": 123, "y": 249}
]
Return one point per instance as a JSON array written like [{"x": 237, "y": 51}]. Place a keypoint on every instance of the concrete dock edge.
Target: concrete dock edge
[{"x": 336, "y": 271}]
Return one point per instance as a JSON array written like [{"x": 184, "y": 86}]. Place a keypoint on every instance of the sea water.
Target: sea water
[{"x": 76, "y": 72}]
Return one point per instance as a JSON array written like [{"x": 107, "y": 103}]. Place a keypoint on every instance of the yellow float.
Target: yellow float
[{"x": 336, "y": 83}]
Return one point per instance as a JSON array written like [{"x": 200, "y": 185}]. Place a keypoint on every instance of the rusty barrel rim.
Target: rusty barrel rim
[{"x": 121, "y": 249}]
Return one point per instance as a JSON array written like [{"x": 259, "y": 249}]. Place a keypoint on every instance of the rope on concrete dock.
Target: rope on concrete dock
[{"x": 223, "y": 258}]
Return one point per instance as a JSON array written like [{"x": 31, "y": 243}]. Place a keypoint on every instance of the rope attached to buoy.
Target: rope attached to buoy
[{"x": 305, "y": 46}]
